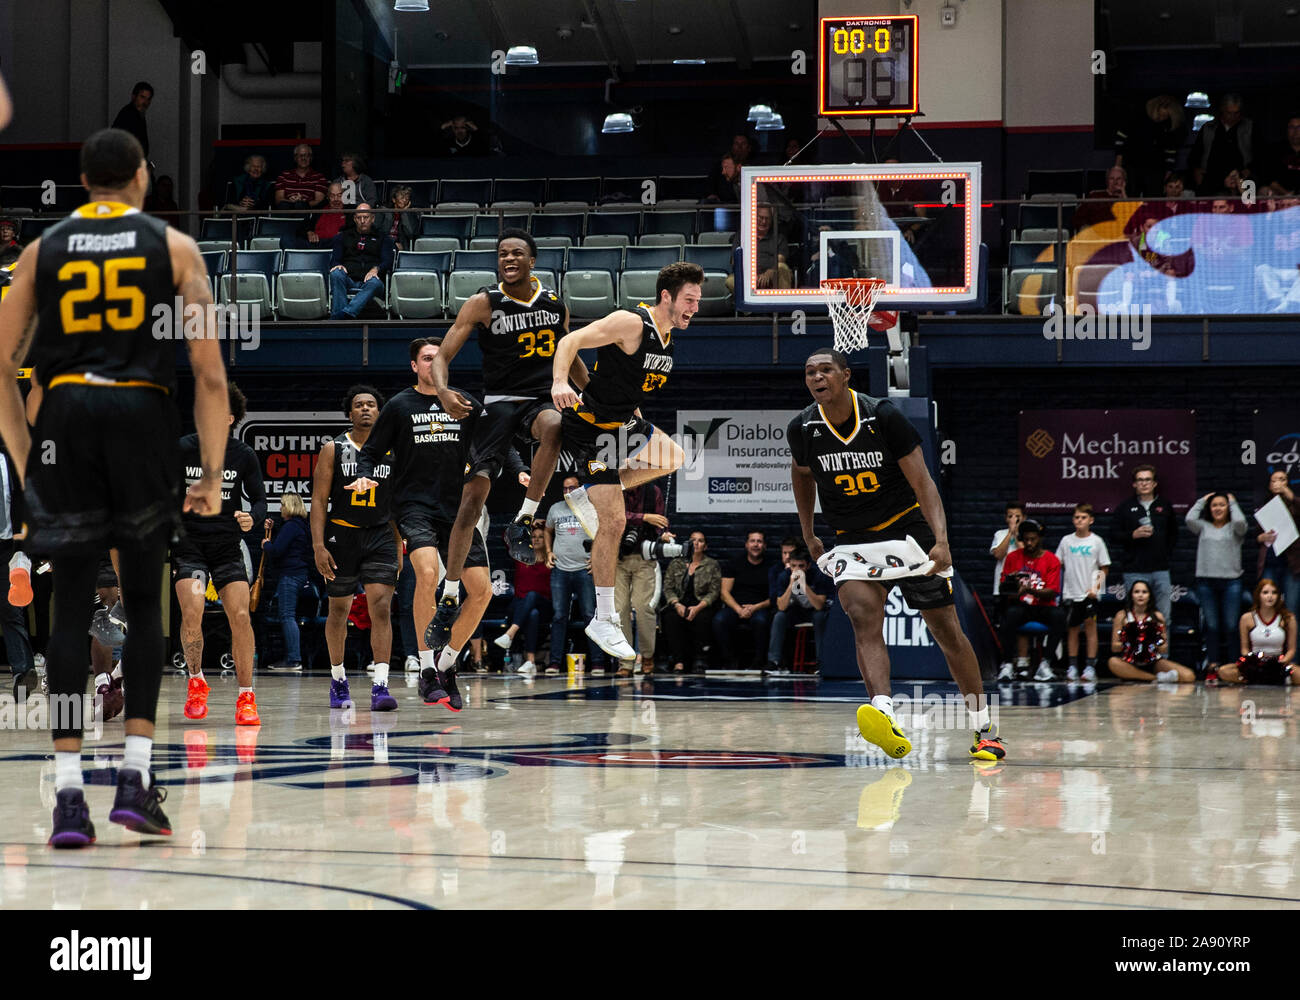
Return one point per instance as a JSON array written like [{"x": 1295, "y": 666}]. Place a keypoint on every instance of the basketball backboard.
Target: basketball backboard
[{"x": 917, "y": 225}]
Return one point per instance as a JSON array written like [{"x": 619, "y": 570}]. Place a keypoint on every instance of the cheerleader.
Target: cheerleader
[
  {"x": 1138, "y": 643},
  {"x": 1268, "y": 635}
]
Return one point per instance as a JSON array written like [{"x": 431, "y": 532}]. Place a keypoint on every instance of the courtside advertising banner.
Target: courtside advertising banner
[
  {"x": 287, "y": 445},
  {"x": 1277, "y": 448},
  {"x": 1088, "y": 456},
  {"x": 737, "y": 461}
]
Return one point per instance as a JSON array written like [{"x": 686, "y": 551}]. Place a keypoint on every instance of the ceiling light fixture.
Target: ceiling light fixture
[
  {"x": 773, "y": 123},
  {"x": 758, "y": 113},
  {"x": 620, "y": 121},
  {"x": 411, "y": 5},
  {"x": 688, "y": 62},
  {"x": 1197, "y": 99},
  {"x": 521, "y": 55}
]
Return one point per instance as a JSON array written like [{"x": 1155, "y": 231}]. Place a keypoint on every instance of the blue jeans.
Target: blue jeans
[
  {"x": 726, "y": 622},
  {"x": 566, "y": 586},
  {"x": 795, "y": 614},
  {"x": 341, "y": 286},
  {"x": 1161, "y": 592},
  {"x": 1220, "y": 601},
  {"x": 403, "y": 607},
  {"x": 527, "y": 612},
  {"x": 286, "y": 599}
]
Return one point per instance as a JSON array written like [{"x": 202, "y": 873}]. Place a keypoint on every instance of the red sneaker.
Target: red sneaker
[
  {"x": 246, "y": 710},
  {"x": 196, "y": 699}
]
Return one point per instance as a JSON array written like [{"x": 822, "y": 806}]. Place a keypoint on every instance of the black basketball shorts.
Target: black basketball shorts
[
  {"x": 216, "y": 556},
  {"x": 424, "y": 528},
  {"x": 361, "y": 556},
  {"x": 500, "y": 424},
  {"x": 602, "y": 449}
]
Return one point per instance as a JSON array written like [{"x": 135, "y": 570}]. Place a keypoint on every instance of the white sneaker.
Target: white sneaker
[
  {"x": 1044, "y": 673},
  {"x": 527, "y": 669},
  {"x": 1008, "y": 671},
  {"x": 608, "y": 635},
  {"x": 1089, "y": 675},
  {"x": 584, "y": 509},
  {"x": 1072, "y": 673},
  {"x": 412, "y": 665},
  {"x": 370, "y": 667},
  {"x": 504, "y": 640},
  {"x": 1167, "y": 677}
]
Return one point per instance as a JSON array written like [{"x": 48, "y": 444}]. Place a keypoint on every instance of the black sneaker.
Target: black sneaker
[
  {"x": 431, "y": 689},
  {"x": 138, "y": 808},
  {"x": 519, "y": 540},
  {"x": 454, "y": 700},
  {"x": 438, "y": 634},
  {"x": 27, "y": 684},
  {"x": 72, "y": 825}
]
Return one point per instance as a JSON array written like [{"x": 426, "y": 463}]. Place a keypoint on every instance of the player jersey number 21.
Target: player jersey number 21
[{"x": 116, "y": 302}]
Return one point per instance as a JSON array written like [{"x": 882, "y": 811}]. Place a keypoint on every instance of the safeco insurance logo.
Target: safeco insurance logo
[{"x": 102, "y": 954}]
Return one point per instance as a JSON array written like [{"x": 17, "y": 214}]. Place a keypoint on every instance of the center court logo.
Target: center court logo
[
  {"x": 102, "y": 954},
  {"x": 1040, "y": 443}
]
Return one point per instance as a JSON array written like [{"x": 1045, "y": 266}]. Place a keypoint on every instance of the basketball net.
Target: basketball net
[{"x": 852, "y": 303}]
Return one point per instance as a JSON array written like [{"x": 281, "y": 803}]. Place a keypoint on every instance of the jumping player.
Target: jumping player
[
  {"x": 86, "y": 302},
  {"x": 518, "y": 324},
  {"x": 863, "y": 459},
  {"x": 361, "y": 547},
  {"x": 616, "y": 448},
  {"x": 429, "y": 450}
]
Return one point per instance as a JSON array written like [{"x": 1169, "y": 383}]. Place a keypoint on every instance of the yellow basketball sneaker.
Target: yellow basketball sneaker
[
  {"x": 881, "y": 802},
  {"x": 878, "y": 728},
  {"x": 988, "y": 745}
]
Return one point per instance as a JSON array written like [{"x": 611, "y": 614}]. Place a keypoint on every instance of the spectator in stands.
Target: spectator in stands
[
  {"x": 252, "y": 190},
  {"x": 1032, "y": 577},
  {"x": 1267, "y": 637},
  {"x": 300, "y": 186},
  {"x": 291, "y": 553},
  {"x": 10, "y": 250},
  {"x": 636, "y": 586},
  {"x": 1283, "y": 165},
  {"x": 789, "y": 545},
  {"x": 163, "y": 197},
  {"x": 463, "y": 138},
  {"x": 401, "y": 222},
  {"x": 746, "y": 600},
  {"x": 1084, "y": 561},
  {"x": 568, "y": 553},
  {"x": 531, "y": 604},
  {"x": 773, "y": 252},
  {"x": 1144, "y": 532},
  {"x": 1224, "y": 147},
  {"x": 1006, "y": 540},
  {"x": 1219, "y": 527},
  {"x": 725, "y": 184},
  {"x": 1175, "y": 187},
  {"x": 1279, "y": 485},
  {"x": 361, "y": 259},
  {"x": 802, "y": 594},
  {"x": 323, "y": 227},
  {"x": 1148, "y": 147},
  {"x": 742, "y": 149},
  {"x": 1139, "y": 642},
  {"x": 357, "y": 184},
  {"x": 692, "y": 589},
  {"x": 131, "y": 117}
]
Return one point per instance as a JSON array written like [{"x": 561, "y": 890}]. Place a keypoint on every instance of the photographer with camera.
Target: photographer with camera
[
  {"x": 692, "y": 587},
  {"x": 801, "y": 594},
  {"x": 637, "y": 582}
]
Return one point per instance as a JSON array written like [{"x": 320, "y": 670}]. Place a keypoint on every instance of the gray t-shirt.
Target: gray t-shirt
[{"x": 570, "y": 553}]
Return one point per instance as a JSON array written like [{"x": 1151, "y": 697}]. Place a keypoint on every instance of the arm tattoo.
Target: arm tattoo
[{"x": 25, "y": 342}]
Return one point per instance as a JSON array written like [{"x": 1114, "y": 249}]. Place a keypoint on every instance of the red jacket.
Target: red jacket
[{"x": 1044, "y": 574}]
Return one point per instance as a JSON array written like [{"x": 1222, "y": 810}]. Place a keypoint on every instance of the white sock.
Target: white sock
[
  {"x": 604, "y": 602},
  {"x": 337, "y": 672},
  {"x": 67, "y": 770},
  {"x": 979, "y": 720},
  {"x": 448, "y": 658},
  {"x": 1022, "y": 661},
  {"x": 200, "y": 676},
  {"x": 883, "y": 703},
  {"x": 381, "y": 674},
  {"x": 527, "y": 509},
  {"x": 244, "y": 690},
  {"x": 101, "y": 679},
  {"x": 427, "y": 659},
  {"x": 117, "y": 671},
  {"x": 138, "y": 751},
  {"x": 451, "y": 589}
]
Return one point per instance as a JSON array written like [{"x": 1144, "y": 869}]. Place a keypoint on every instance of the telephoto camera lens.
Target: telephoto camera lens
[{"x": 661, "y": 550}]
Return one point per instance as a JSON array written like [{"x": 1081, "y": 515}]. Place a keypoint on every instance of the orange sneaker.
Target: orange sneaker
[
  {"x": 196, "y": 699},
  {"x": 246, "y": 710},
  {"x": 20, "y": 581}
]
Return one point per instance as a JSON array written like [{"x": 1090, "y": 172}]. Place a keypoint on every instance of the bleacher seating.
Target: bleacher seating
[
  {"x": 584, "y": 190},
  {"x": 302, "y": 285},
  {"x": 462, "y": 284},
  {"x": 475, "y": 192},
  {"x": 415, "y": 286},
  {"x": 252, "y": 279},
  {"x": 596, "y": 259}
]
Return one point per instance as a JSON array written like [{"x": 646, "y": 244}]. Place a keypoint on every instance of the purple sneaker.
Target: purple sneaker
[
  {"x": 381, "y": 700},
  {"x": 72, "y": 826},
  {"x": 340, "y": 696},
  {"x": 138, "y": 808}
]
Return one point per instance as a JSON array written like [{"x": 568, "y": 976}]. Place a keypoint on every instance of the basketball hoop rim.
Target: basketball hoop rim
[{"x": 856, "y": 291}]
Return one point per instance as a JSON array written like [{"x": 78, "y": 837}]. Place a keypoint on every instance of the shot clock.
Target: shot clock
[{"x": 867, "y": 66}]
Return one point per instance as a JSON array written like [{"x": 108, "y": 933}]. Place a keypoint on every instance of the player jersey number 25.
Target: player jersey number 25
[
  {"x": 863, "y": 482},
  {"x": 540, "y": 343},
  {"x": 104, "y": 287}
]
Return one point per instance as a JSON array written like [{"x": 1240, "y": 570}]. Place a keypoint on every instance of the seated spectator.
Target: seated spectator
[
  {"x": 1148, "y": 146},
  {"x": 1084, "y": 561},
  {"x": 1287, "y": 567},
  {"x": 463, "y": 138},
  {"x": 1219, "y": 527},
  {"x": 10, "y": 250},
  {"x": 252, "y": 190},
  {"x": 1138, "y": 642},
  {"x": 801, "y": 595},
  {"x": 692, "y": 589},
  {"x": 773, "y": 252},
  {"x": 742, "y": 150},
  {"x": 357, "y": 184},
  {"x": 724, "y": 186},
  {"x": 531, "y": 603},
  {"x": 637, "y": 585},
  {"x": 401, "y": 222},
  {"x": 1032, "y": 577},
  {"x": 789, "y": 546},
  {"x": 323, "y": 227},
  {"x": 746, "y": 602},
  {"x": 1224, "y": 147},
  {"x": 1267, "y": 636},
  {"x": 300, "y": 186},
  {"x": 569, "y": 557},
  {"x": 1098, "y": 207},
  {"x": 361, "y": 259},
  {"x": 163, "y": 197},
  {"x": 291, "y": 554},
  {"x": 1176, "y": 186},
  {"x": 1006, "y": 540},
  {"x": 1283, "y": 163}
]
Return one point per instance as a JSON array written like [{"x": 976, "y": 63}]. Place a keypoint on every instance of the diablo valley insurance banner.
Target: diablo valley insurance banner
[
  {"x": 736, "y": 461},
  {"x": 1088, "y": 456},
  {"x": 287, "y": 445}
]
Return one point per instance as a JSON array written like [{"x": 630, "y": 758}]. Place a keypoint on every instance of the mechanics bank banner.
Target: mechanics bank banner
[
  {"x": 736, "y": 460},
  {"x": 1088, "y": 456},
  {"x": 286, "y": 445}
]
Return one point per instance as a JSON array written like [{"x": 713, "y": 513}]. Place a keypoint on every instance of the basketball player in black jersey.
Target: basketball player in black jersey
[
  {"x": 87, "y": 304},
  {"x": 518, "y": 324},
  {"x": 357, "y": 545},
  {"x": 430, "y": 449},
  {"x": 863, "y": 459},
  {"x": 616, "y": 448}
]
